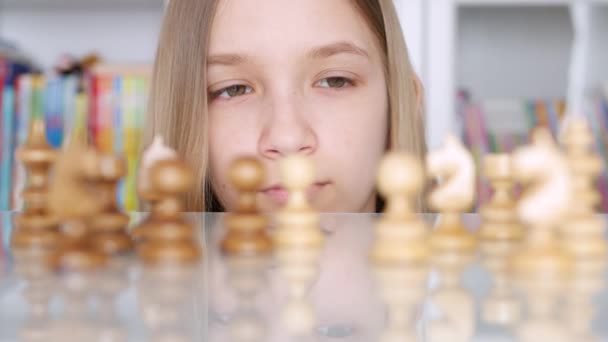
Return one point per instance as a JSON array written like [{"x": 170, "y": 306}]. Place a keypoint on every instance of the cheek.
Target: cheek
[{"x": 227, "y": 141}]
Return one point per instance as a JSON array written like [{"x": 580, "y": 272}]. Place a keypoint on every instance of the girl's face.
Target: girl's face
[{"x": 298, "y": 76}]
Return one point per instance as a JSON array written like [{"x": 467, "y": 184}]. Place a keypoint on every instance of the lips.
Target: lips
[{"x": 280, "y": 195}]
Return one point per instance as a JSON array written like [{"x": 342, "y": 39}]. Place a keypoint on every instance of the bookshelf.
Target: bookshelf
[{"x": 506, "y": 49}]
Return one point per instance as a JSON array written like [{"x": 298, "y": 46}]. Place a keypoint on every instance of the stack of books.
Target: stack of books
[
  {"x": 501, "y": 125},
  {"x": 107, "y": 104}
]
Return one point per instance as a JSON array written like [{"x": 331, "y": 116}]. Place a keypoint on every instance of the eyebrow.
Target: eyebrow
[
  {"x": 332, "y": 49},
  {"x": 324, "y": 51}
]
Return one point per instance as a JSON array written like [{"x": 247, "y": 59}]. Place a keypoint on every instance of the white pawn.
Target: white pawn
[
  {"x": 297, "y": 222},
  {"x": 400, "y": 235}
]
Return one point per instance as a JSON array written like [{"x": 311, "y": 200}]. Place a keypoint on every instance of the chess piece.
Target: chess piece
[
  {"x": 156, "y": 152},
  {"x": 499, "y": 216},
  {"x": 543, "y": 205},
  {"x": 35, "y": 227},
  {"x": 109, "y": 226},
  {"x": 542, "y": 296},
  {"x": 247, "y": 278},
  {"x": 453, "y": 166},
  {"x": 170, "y": 239},
  {"x": 246, "y": 228},
  {"x": 402, "y": 287},
  {"x": 400, "y": 235},
  {"x": 73, "y": 200},
  {"x": 583, "y": 231},
  {"x": 297, "y": 222}
]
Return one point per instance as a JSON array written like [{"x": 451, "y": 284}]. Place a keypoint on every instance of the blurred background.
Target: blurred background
[{"x": 492, "y": 69}]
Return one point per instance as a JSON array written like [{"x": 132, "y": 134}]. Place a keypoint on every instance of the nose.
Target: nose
[{"x": 287, "y": 130}]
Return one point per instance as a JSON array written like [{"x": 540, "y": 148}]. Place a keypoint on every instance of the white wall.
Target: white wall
[
  {"x": 519, "y": 52},
  {"x": 120, "y": 34}
]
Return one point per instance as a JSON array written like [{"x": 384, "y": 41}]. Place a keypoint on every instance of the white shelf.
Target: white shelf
[{"x": 78, "y": 4}]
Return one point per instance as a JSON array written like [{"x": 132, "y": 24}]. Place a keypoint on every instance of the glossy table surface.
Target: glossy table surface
[{"x": 232, "y": 299}]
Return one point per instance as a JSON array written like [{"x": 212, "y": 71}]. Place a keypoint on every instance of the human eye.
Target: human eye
[
  {"x": 335, "y": 82},
  {"x": 231, "y": 91}
]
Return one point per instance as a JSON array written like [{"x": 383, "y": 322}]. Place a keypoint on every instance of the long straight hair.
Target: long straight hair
[{"x": 178, "y": 107}]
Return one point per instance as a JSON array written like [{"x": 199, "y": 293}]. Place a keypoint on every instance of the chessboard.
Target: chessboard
[
  {"x": 530, "y": 266},
  {"x": 336, "y": 293}
]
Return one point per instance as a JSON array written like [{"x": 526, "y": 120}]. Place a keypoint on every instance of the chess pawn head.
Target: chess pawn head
[
  {"x": 155, "y": 152},
  {"x": 297, "y": 174},
  {"x": 400, "y": 178},
  {"x": 171, "y": 178},
  {"x": 247, "y": 175}
]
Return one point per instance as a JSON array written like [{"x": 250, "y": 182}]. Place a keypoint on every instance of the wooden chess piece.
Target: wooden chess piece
[
  {"x": 297, "y": 222},
  {"x": 499, "y": 216},
  {"x": 583, "y": 231},
  {"x": 170, "y": 239},
  {"x": 246, "y": 228},
  {"x": 36, "y": 227},
  {"x": 454, "y": 167},
  {"x": 156, "y": 152},
  {"x": 543, "y": 205},
  {"x": 73, "y": 200},
  {"x": 400, "y": 235},
  {"x": 109, "y": 226}
]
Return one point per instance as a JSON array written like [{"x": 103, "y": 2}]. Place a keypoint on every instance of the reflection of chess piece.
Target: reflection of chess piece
[
  {"x": 35, "y": 227},
  {"x": 454, "y": 167},
  {"x": 402, "y": 288},
  {"x": 540, "y": 322},
  {"x": 38, "y": 291},
  {"x": 299, "y": 267},
  {"x": 246, "y": 227},
  {"x": 74, "y": 325},
  {"x": 165, "y": 294},
  {"x": 501, "y": 306},
  {"x": 456, "y": 306},
  {"x": 499, "y": 216},
  {"x": 247, "y": 278},
  {"x": 109, "y": 283}
]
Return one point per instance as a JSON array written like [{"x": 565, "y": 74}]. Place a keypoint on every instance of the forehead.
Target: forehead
[{"x": 285, "y": 27}]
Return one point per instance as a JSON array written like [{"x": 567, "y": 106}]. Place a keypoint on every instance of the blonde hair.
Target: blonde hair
[{"x": 177, "y": 108}]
